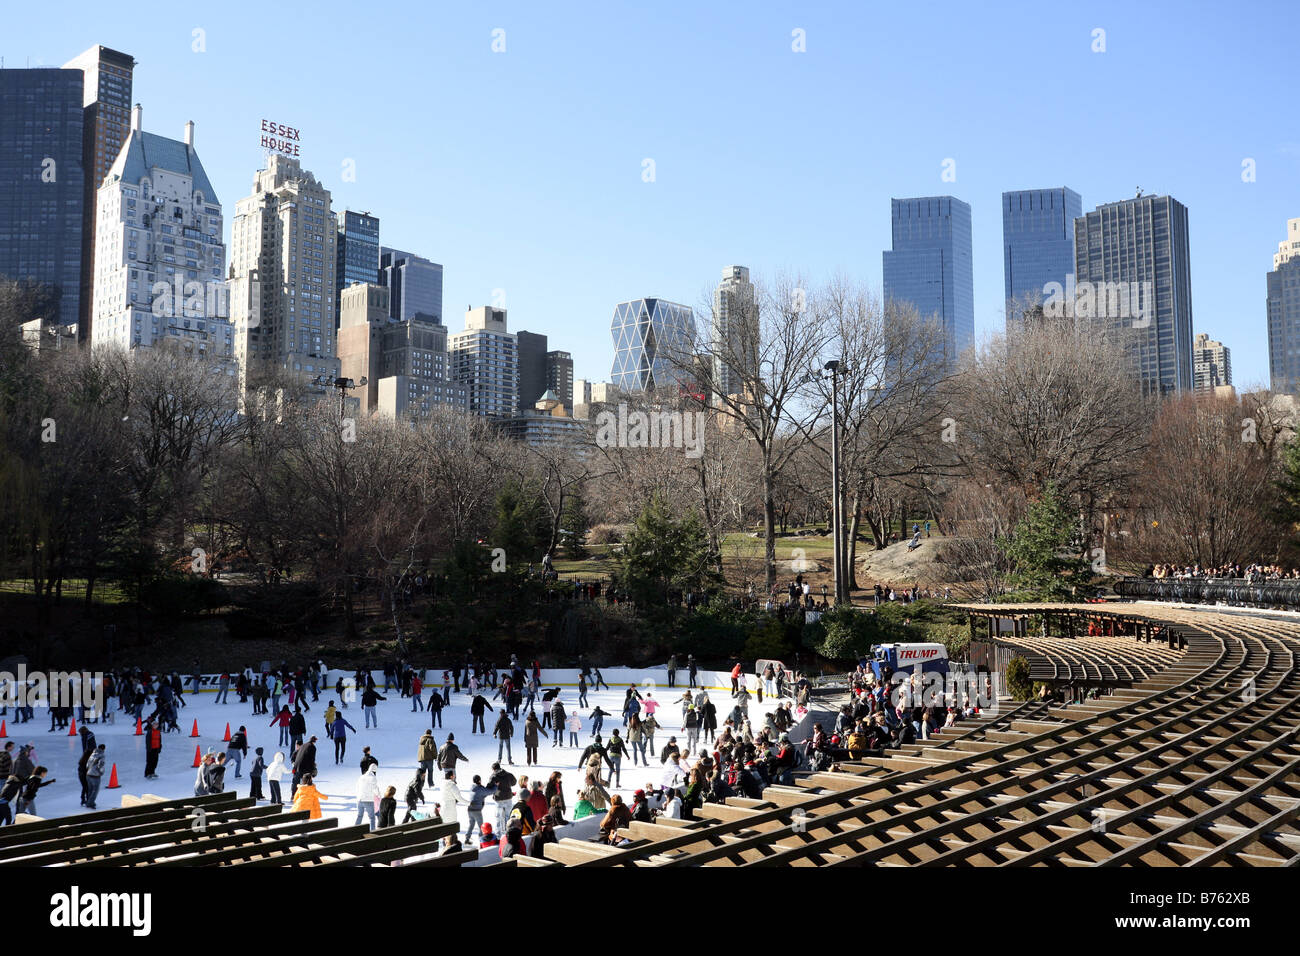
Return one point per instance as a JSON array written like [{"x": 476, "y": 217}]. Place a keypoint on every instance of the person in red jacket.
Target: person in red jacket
[
  {"x": 537, "y": 801},
  {"x": 152, "y": 748},
  {"x": 283, "y": 718},
  {"x": 417, "y": 687},
  {"x": 735, "y": 679}
]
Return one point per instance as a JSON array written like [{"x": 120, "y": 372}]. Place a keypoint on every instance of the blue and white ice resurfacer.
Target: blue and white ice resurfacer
[{"x": 917, "y": 658}]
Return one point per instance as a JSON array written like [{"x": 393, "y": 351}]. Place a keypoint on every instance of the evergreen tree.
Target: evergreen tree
[
  {"x": 1039, "y": 548},
  {"x": 575, "y": 523},
  {"x": 517, "y": 523},
  {"x": 664, "y": 556}
]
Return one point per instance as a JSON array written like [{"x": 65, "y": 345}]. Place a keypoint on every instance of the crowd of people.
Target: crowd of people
[
  {"x": 1251, "y": 572},
  {"x": 886, "y": 714},
  {"x": 692, "y": 749}
]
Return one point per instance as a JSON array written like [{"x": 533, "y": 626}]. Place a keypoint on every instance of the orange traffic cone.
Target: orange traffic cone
[
  {"x": 112, "y": 779},
  {"x": 72, "y": 728},
  {"x": 3, "y": 730},
  {"x": 195, "y": 731},
  {"x": 139, "y": 727},
  {"x": 198, "y": 759},
  {"x": 227, "y": 737}
]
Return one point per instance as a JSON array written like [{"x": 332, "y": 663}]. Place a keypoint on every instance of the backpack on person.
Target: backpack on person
[{"x": 519, "y": 822}]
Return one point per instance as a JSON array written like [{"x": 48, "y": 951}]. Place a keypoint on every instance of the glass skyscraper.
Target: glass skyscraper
[
  {"x": 1139, "y": 247},
  {"x": 1284, "y": 313},
  {"x": 415, "y": 284},
  {"x": 1037, "y": 242},
  {"x": 106, "y": 98},
  {"x": 357, "y": 252},
  {"x": 42, "y": 184},
  {"x": 532, "y": 368},
  {"x": 653, "y": 343},
  {"x": 930, "y": 265}
]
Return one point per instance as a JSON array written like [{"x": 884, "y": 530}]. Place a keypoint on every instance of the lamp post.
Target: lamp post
[
  {"x": 837, "y": 510},
  {"x": 344, "y": 385}
]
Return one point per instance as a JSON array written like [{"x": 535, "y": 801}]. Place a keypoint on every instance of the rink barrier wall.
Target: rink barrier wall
[{"x": 616, "y": 677}]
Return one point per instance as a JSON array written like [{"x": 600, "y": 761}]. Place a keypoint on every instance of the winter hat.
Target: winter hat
[
  {"x": 487, "y": 829},
  {"x": 451, "y": 737},
  {"x": 258, "y": 751}
]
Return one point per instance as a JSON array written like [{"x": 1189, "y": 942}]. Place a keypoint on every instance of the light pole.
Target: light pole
[
  {"x": 837, "y": 510},
  {"x": 344, "y": 385}
]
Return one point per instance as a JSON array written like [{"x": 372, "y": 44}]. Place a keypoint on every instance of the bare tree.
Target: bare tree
[
  {"x": 766, "y": 356},
  {"x": 892, "y": 402},
  {"x": 1052, "y": 402}
]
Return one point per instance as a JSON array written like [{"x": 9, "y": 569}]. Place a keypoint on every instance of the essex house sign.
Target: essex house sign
[{"x": 281, "y": 138}]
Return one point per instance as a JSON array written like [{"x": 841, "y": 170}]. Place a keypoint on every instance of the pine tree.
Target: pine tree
[
  {"x": 1039, "y": 548},
  {"x": 663, "y": 555}
]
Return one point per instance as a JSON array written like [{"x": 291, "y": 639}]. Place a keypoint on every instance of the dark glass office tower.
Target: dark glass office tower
[
  {"x": 1283, "y": 285},
  {"x": 42, "y": 183},
  {"x": 1135, "y": 254},
  {"x": 357, "y": 252},
  {"x": 559, "y": 377},
  {"x": 414, "y": 283},
  {"x": 1037, "y": 242},
  {"x": 532, "y": 368},
  {"x": 931, "y": 267},
  {"x": 106, "y": 99}
]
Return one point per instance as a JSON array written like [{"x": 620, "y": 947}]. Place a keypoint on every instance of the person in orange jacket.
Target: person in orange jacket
[{"x": 308, "y": 798}]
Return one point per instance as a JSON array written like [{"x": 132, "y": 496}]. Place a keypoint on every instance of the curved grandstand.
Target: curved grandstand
[{"x": 1195, "y": 763}]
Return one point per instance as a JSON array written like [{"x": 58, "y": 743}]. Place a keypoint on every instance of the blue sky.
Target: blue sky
[{"x": 522, "y": 170}]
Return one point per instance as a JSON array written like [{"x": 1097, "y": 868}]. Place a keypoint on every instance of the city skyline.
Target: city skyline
[{"x": 528, "y": 222}]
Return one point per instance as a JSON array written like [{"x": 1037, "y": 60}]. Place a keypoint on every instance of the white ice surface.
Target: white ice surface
[{"x": 394, "y": 744}]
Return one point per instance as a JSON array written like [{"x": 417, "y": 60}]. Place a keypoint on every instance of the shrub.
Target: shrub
[
  {"x": 845, "y": 634},
  {"x": 183, "y": 595},
  {"x": 605, "y": 534},
  {"x": 1018, "y": 682}
]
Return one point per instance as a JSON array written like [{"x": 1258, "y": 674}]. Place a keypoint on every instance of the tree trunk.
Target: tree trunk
[
  {"x": 850, "y": 567},
  {"x": 769, "y": 525}
]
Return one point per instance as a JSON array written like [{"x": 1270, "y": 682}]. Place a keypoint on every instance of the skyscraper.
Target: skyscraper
[
  {"x": 653, "y": 344},
  {"x": 733, "y": 334},
  {"x": 362, "y": 318},
  {"x": 1037, "y": 242},
  {"x": 283, "y": 258},
  {"x": 559, "y": 377},
  {"x": 42, "y": 184},
  {"x": 485, "y": 359},
  {"x": 532, "y": 368},
  {"x": 930, "y": 265},
  {"x": 358, "y": 252},
  {"x": 1211, "y": 364},
  {"x": 414, "y": 283},
  {"x": 1132, "y": 258},
  {"x": 159, "y": 254},
  {"x": 416, "y": 368},
  {"x": 1284, "y": 313},
  {"x": 106, "y": 99}
]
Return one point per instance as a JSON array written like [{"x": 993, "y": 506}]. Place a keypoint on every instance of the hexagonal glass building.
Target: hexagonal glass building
[{"x": 653, "y": 341}]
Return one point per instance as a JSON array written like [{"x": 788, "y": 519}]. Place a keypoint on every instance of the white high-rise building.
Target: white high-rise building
[
  {"x": 159, "y": 254},
  {"x": 283, "y": 264},
  {"x": 1211, "y": 364},
  {"x": 733, "y": 334},
  {"x": 485, "y": 359}
]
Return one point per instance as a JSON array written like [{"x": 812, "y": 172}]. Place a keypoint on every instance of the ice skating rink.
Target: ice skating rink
[{"x": 394, "y": 743}]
